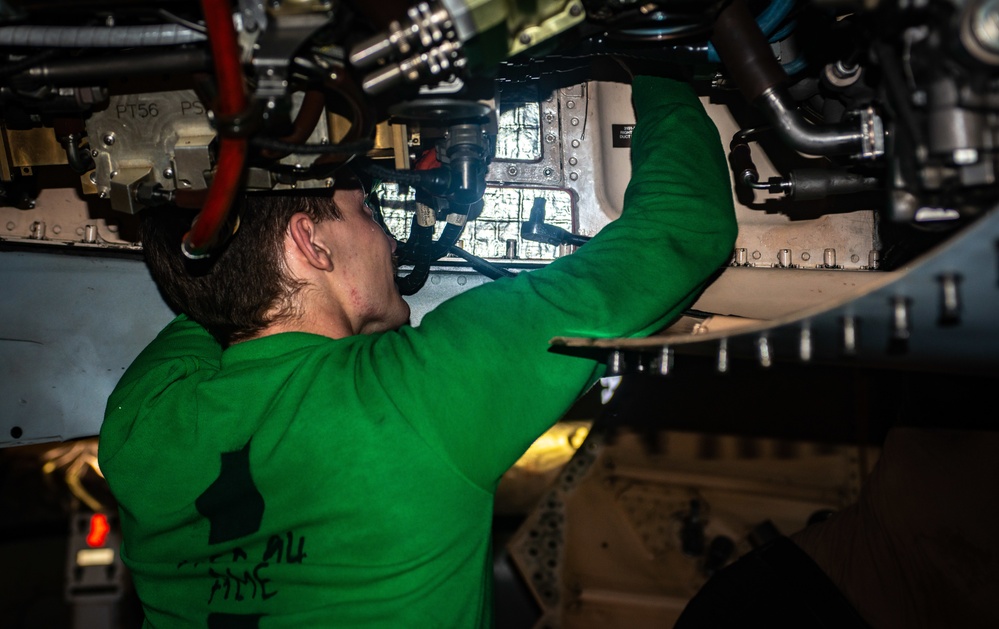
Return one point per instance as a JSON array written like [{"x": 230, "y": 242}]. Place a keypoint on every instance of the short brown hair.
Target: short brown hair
[{"x": 242, "y": 287}]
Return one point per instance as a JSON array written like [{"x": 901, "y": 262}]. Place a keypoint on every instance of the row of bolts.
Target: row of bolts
[{"x": 950, "y": 307}]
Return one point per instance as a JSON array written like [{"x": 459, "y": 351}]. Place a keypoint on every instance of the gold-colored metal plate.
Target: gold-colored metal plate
[{"x": 35, "y": 147}]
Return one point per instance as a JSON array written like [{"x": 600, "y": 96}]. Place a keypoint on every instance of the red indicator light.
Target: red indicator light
[{"x": 99, "y": 529}]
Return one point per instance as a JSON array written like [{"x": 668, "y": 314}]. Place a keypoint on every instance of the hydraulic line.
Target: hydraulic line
[
  {"x": 85, "y": 71},
  {"x": 97, "y": 36},
  {"x": 767, "y": 20},
  {"x": 436, "y": 181},
  {"x": 746, "y": 54},
  {"x": 231, "y": 103},
  {"x": 490, "y": 270}
]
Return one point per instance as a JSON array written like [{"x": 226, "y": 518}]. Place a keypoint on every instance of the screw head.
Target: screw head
[{"x": 109, "y": 139}]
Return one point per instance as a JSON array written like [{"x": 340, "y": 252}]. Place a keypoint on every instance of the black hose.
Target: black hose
[
  {"x": 484, "y": 267},
  {"x": 436, "y": 181},
  {"x": 745, "y": 51},
  {"x": 87, "y": 70},
  {"x": 79, "y": 159},
  {"x": 418, "y": 250},
  {"x": 28, "y": 62},
  {"x": 747, "y": 55},
  {"x": 448, "y": 238}
]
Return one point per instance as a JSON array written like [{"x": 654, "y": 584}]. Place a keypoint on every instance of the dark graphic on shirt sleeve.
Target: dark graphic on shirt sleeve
[{"x": 232, "y": 504}]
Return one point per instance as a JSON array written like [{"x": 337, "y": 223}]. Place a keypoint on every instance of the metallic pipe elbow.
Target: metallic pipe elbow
[{"x": 860, "y": 136}]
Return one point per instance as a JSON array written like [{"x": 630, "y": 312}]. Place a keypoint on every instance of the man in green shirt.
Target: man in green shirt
[{"x": 289, "y": 452}]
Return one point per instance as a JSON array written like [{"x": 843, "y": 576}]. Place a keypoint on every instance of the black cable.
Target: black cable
[
  {"x": 435, "y": 181},
  {"x": 85, "y": 71},
  {"x": 176, "y": 19},
  {"x": 484, "y": 267}
]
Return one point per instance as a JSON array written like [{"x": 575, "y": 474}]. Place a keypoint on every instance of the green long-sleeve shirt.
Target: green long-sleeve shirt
[{"x": 301, "y": 481}]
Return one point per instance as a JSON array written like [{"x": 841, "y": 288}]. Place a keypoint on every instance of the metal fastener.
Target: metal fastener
[
  {"x": 849, "y": 336},
  {"x": 784, "y": 258},
  {"x": 829, "y": 258},
  {"x": 805, "y": 343},
  {"x": 763, "y": 351},
  {"x": 950, "y": 301},
  {"x": 874, "y": 259},
  {"x": 615, "y": 363},
  {"x": 663, "y": 363}
]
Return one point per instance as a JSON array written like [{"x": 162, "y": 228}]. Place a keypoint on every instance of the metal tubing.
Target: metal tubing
[{"x": 834, "y": 139}]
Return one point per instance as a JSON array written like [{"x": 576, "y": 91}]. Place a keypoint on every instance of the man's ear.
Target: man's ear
[{"x": 309, "y": 243}]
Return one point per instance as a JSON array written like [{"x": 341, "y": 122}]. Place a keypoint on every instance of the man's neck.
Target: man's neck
[{"x": 327, "y": 322}]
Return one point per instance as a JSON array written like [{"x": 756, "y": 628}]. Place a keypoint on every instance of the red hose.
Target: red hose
[{"x": 230, "y": 102}]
